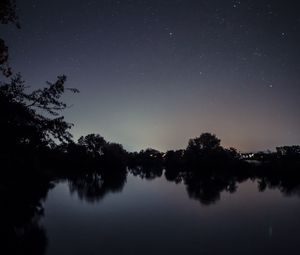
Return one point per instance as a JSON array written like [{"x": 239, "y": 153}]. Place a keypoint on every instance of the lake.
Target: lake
[{"x": 156, "y": 216}]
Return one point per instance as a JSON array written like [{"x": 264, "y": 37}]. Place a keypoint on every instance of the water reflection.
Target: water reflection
[
  {"x": 207, "y": 190},
  {"x": 289, "y": 185},
  {"x": 20, "y": 214},
  {"x": 94, "y": 186},
  {"x": 23, "y": 208},
  {"x": 158, "y": 217},
  {"x": 204, "y": 186},
  {"x": 145, "y": 172}
]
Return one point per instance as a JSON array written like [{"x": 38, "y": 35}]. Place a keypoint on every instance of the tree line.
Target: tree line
[{"x": 33, "y": 130}]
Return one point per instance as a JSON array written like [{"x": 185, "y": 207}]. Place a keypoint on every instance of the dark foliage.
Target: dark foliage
[
  {"x": 20, "y": 197},
  {"x": 32, "y": 120},
  {"x": 7, "y": 15}
]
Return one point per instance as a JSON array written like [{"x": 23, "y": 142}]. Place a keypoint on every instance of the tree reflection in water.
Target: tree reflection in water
[
  {"x": 204, "y": 186},
  {"x": 22, "y": 209},
  {"x": 94, "y": 186},
  {"x": 20, "y": 213},
  {"x": 148, "y": 173},
  {"x": 207, "y": 186}
]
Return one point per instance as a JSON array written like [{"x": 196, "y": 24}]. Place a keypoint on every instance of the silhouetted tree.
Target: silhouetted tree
[
  {"x": 32, "y": 119},
  {"x": 7, "y": 15},
  {"x": 147, "y": 163},
  {"x": 174, "y": 165},
  {"x": 233, "y": 154},
  {"x": 174, "y": 158},
  {"x": 114, "y": 156},
  {"x": 204, "y": 149},
  {"x": 150, "y": 157},
  {"x": 8, "y": 12},
  {"x": 21, "y": 191},
  {"x": 94, "y": 144},
  {"x": 205, "y": 142},
  {"x": 290, "y": 152}
]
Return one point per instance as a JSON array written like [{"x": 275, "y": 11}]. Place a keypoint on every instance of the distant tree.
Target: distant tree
[
  {"x": 206, "y": 150},
  {"x": 233, "y": 153},
  {"x": 201, "y": 147},
  {"x": 173, "y": 162},
  {"x": 150, "y": 157},
  {"x": 288, "y": 151},
  {"x": 93, "y": 143},
  {"x": 114, "y": 156},
  {"x": 206, "y": 142},
  {"x": 174, "y": 158},
  {"x": 98, "y": 153},
  {"x": 146, "y": 163}
]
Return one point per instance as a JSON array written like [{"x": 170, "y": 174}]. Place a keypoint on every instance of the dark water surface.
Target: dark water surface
[{"x": 159, "y": 217}]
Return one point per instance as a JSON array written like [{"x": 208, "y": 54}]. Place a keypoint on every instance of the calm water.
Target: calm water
[{"x": 159, "y": 217}]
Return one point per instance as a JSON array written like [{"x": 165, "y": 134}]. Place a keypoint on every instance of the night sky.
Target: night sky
[{"x": 156, "y": 73}]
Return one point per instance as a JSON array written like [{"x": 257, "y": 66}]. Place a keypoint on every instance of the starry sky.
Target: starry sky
[{"x": 156, "y": 73}]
